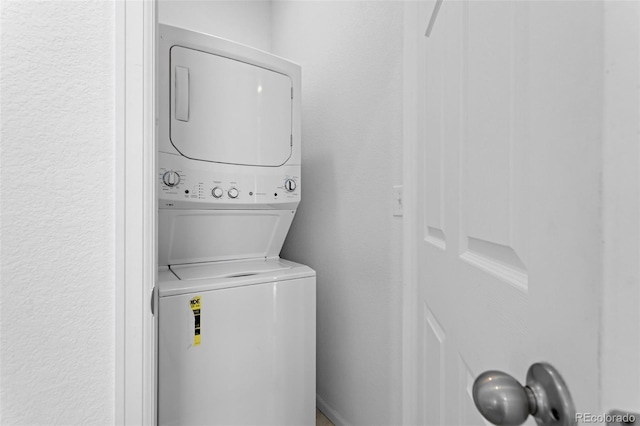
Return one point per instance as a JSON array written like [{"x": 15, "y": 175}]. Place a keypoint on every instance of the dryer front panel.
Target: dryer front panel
[{"x": 228, "y": 111}]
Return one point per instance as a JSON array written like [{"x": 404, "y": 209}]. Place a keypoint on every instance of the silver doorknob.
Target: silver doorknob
[{"x": 502, "y": 400}]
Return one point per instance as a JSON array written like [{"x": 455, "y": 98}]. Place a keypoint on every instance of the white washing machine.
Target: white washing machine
[
  {"x": 236, "y": 323},
  {"x": 254, "y": 360}
]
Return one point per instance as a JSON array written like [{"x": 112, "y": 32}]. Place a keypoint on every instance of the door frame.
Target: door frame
[{"x": 136, "y": 259}]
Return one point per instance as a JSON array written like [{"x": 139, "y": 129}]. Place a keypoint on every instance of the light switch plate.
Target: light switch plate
[{"x": 397, "y": 201}]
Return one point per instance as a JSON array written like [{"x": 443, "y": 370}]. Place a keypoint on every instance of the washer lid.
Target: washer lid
[
  {"x": 186, "y": 279},
  {"x": 228, "y": 111},
  {"x": 245, "y": 268}
]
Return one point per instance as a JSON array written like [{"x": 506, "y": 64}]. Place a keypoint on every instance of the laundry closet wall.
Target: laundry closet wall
[
  {"x": 246, "y": 22},
  {"x": 57, "y": 320},
  {"x": 351, "y": 58}
]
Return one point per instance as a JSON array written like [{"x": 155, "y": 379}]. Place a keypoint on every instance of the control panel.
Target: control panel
[{"x": 213, "y": 187}]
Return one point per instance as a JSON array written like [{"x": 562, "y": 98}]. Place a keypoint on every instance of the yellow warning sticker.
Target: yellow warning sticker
[{"x": 196, "y": 307}]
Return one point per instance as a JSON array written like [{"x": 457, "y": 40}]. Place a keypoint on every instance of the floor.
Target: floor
[{"x": 321, "y": 420}]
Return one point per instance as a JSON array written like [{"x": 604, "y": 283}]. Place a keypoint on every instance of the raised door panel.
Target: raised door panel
[
  {"x": 433, "y": 369},
  {"x": 433, "y": 143},
  {"x": 431, "y": 133},
  {"x": 493, "y": 119}
]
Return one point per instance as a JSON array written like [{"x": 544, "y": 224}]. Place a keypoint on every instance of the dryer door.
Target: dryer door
[{"x": 227, "y": 111}]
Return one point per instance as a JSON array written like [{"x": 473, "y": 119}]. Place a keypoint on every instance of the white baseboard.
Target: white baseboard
[{"x": 329, "y": 412}]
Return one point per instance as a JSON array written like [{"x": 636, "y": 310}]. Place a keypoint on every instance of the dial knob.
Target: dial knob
[
  {"x": 233, "y": 193},
  {"x": 290, "y": 185},
  {"x": 217, "y": 192},
  {"x": 171, "y": 178}
]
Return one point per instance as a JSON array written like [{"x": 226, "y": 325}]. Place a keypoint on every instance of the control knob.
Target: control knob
[
  {"x": 233, "y": 193},
  {"x": 217, "y": 192},
  {"x": 290, "y": 185},
  {"x": 171, "y": 178}
]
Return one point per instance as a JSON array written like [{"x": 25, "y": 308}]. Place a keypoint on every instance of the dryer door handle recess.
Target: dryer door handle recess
[{"x": 182, "y": 94}]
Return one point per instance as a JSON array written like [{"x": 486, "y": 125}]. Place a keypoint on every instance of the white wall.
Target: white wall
[
  {"x": 351, "y": 57},
  {"x": 57, "y": 198},
  {"x": 243, "y": 21}
]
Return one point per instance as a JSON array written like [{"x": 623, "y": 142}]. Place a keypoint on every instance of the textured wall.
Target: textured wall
[
  {"x": 243, "y": 21},
  {"x": 57, "y": 213},
  {"x": 351, "y": 57}
]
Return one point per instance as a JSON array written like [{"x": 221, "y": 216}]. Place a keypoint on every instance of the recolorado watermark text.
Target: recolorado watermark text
[{"x": 622, "y": 418}]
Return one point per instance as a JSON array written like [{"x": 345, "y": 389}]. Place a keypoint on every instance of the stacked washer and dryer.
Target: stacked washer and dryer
[{"x": 236, "y": 339}]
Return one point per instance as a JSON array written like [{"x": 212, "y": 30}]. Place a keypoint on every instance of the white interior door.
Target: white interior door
[{"x": 509, "y": 173}]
